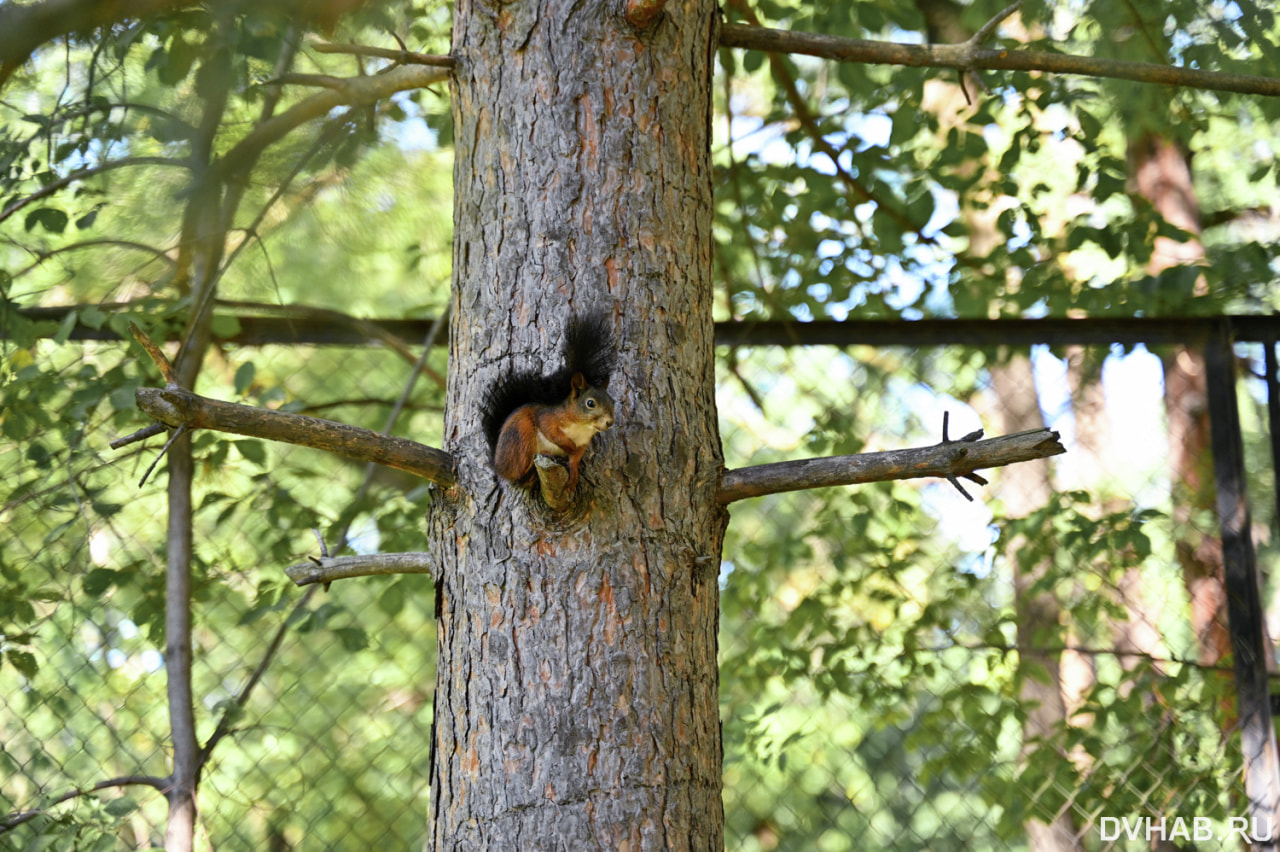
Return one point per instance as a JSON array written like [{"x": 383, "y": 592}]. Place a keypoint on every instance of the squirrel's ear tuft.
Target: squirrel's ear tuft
[{"x": 578, "y": 382}]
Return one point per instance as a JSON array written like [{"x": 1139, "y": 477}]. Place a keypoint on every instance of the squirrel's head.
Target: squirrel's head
[{"x": 593, "y": 405}]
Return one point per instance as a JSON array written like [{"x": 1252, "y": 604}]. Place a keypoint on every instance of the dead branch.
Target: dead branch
[
  {"x": 947, "y": 460},
  {"x": 181, "y": 409},
  {"x": 968, "y": 56},
  {"x": 175, "y": 407},
  {"x": 326, "y": 569},
  {"x": 153, "y": 352}
]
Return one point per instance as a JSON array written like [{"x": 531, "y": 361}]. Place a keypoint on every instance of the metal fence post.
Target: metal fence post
[{"x": 1244, "y": 604}]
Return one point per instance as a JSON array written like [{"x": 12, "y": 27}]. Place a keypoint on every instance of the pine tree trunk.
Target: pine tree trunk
[{"x": 576, "y": 703}]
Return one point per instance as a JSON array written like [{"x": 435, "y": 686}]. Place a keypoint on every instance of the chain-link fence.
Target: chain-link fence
[{"x": 1046, "y": 666}]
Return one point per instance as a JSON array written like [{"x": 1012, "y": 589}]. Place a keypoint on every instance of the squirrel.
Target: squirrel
[{"x": 525, "y": 414}]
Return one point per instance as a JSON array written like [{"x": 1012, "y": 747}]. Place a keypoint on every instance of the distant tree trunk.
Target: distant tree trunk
[
  {"x": 576, "y": 703},
  {"x": 1161, "y": 174},
  {"x": 1027, "y": 487}
]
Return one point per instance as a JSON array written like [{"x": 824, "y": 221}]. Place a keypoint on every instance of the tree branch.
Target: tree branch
[
  {"x": 404, "y": 57},
  {"x": 326, "y": 569},
  {"x": 18, "y": 818},
  {"x": 989, "y": 27},
  {"x": 810, "y": 123},
  {"x": 356, "y": 91},
  {"x": 179, "y": 408},
  {"x": 969, "y": 57},
  {"x": 23, "y": 28},
  {"x": 42, "y": 256},
  {"x": 946, "y": 460},
  {"x": 51, "y": 188},
  {"x": 174, "y": 406},
  {"x": 26, "y": 27}
]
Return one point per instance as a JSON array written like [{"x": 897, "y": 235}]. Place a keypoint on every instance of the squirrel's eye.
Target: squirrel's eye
[{"x": 591, "y": 403}]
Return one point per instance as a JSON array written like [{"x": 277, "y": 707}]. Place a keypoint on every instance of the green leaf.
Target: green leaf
[
  {"x": 230, "y": 711},
  {"x": 23, "y": 661},
  {"x": 65, "y": 328},
  {"x": 121, "y": 807},
  {"x": 173, "y": 65},
  {"x": 391, "y": 601},
  {"x": 93, "y": 317},
  {"x": 244, "y": 378},
  {"x": 353, "y": 638},
  {"x": 51, "y": 219},
  {"x": 254, "y": 451},
  {"x": 99, "y": 580},
  {"x": 106, "y": 509}
]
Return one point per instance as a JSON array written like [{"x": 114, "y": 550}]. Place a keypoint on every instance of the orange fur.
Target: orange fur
[{"x": 562, "y": 430}]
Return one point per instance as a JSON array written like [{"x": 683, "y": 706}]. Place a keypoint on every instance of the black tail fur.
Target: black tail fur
[{"x": 588, "y": 349}]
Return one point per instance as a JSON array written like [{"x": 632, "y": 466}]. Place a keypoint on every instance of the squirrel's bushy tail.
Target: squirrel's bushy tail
[{"x": 588, "y": 349}]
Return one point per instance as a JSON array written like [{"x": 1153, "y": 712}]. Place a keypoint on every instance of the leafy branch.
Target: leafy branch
[
  {"x": 969, "y": 56},
  {"x": 18, "y": 818}
]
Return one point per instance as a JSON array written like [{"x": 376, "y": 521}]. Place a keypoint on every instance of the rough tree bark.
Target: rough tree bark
[{"x": 576, "y": 706}]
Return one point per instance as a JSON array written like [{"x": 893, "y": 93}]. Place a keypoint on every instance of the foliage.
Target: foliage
[
  {"x": 1038, "y": 166},
  {"x": 81, "y": 624}
]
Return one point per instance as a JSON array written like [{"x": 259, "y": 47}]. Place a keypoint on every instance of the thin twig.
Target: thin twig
[
  {"x": 984, "y": 32},
  {"x": 141, "y": 435},
  {"x": 169, "y": 443},
  {"x": 158, "y": 357},
  {"x": 16, "y": 819},
  {"x": 404, "y": 57},
  {"x": 52, "y": 187},
  {"x": 327, "y": 81},
  {"x": 42, "y": 256}
]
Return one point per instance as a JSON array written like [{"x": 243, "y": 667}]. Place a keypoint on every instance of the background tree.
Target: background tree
[{"x": 854, "y": 218}]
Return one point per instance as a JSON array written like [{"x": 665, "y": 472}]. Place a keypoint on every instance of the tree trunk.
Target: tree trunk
[
  {"x": 1026, "y": 488},
  {"x": 576, "y": 705},
  {"x": 1162, "y": 175}
]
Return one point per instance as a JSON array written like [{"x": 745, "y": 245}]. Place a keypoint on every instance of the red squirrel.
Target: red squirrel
[{"x": 526, "y": 415}]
